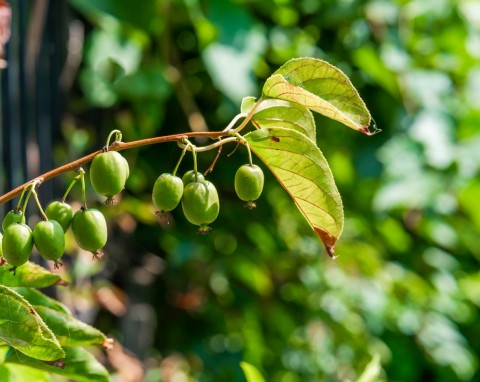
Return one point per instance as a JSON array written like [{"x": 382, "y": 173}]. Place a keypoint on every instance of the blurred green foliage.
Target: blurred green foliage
[{"x": 260, "y": 288}]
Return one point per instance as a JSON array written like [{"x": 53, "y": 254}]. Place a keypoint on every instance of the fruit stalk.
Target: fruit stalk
[
  {"x": 30, "y": 187},
  {"x": 84, "y": 193},
  {"x": 35, "y": 196},
  {"x": 194, "y": 154},
  {"x": 74, "y": 181},
  {"x": 118, "y": 138},
  {"x": 18, "y": 208},
  {"x": 245, "y": 143},
  {"x": 181, "y": 158}
]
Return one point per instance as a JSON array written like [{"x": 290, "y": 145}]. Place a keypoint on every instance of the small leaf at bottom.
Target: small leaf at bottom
[
  {"x": 23, "y": 329},
  {"x": 79, "y": 365}
]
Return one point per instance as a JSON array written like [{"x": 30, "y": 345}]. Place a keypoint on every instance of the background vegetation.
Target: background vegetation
[{"x": 260, "y": 288}]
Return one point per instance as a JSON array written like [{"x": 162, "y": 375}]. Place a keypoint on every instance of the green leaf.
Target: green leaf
[
  {"x": 302, "y": 170},
  {"x": 277, "y": 113},
  {"x": 23, "y": 329},
  {"x": 15, "y": 373},
  {"x": 247, "y": 104},
  {"x": 321, "y": 87},
  {"x": 372, "y": 371},
  {"x": 80, "y": 365},
  {"x": 68, "y": 330},
  {"x": 29, "y": 275},
  {"x": 251, "y": 373},
  {"x": 4, "y": 374},
  {"x": 35, "y": 297}
]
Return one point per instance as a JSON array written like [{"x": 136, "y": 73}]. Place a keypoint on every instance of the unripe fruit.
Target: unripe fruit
[
  {"x": 17, "y": 244},
  {"x": 49, "y": 239},
  {"x": 167, "y": 192},
  {"x": 109, "y": 172},
  {"x": 249, "y": 184},
  {"x": 189, "y": 177},
  {"x": 13, "y": 216},
  {"x": 126, "y": 167},
  {"x": 90, "y": 230},
  {"x": 200, "y": 204},
  {"x": 60, "y": 212}
]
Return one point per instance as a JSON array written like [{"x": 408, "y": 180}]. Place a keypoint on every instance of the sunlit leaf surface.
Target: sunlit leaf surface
[
  {"x": 68, "y": 330},
  {"x": 320, "y": 87},
  {"x": 302, "y": 170},
  {"x": 23, "y": 329},
  {"x": 278, "y": 113},
  {"x": 29, "y": 275},
  {"x": 78, "y": 364}
]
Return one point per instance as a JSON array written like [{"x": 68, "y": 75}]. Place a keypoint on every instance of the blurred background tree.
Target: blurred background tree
[{"x": 260, "y": 288}]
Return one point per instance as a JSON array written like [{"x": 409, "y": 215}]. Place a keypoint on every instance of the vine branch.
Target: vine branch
[
  {"x": 115, "y": 146},
  {"x": 119, "y": 146}
]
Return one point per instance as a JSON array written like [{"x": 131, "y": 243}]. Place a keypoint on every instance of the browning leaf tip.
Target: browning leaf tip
[
  {"x": 328, "y": 242},
  {"x": 62, "y": 282}
]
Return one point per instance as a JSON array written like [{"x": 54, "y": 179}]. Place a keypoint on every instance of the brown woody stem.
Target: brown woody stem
[
  {"x": 119, "y": 146},
  {"x": 115, "y": 146}
]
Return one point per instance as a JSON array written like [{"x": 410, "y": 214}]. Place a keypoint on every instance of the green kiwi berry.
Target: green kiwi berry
[
  {"x": 49, "y": 239},
  {"x": 90, "y": 230},
  {"x": 13, "y": 216},
  {"x": 126, "y": 167},
  {"x": 200, "y": 204},
  {"x": 189, "y": 177},
  {"x": 109, "y": 172},
  {"x": 60, "y": 212},
  {"x": 167, "y": 192},
  {"x": 17, "y": 244},
  {"x": 249, "y": 184}
]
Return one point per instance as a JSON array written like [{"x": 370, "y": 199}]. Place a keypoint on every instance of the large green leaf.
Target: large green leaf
[
  {"x": 251, "y": 373},
  {"x": 321, "y": 87},
  {"x": 302, "y": 170},
  {"x": 35, "y": 297},
  {"x": 4, "y": 374},
  {"x": 20, "y": 373},
  {"x": 29, "y": 275},
  {"x": 68, "y": 330},
  {"x": 278, "y": 113},
  {"x": 79, "y": 365},
  {"x": 23, "y": 329}
]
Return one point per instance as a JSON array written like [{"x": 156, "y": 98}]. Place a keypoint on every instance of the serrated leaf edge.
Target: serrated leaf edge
[{"x": 42, "y": 326}]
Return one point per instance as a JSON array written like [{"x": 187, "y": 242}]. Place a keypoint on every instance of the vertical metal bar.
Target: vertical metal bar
[
  {"x": 43, "y": 104},
  {"x": 22, "y": 109},
  {"x": 14, "y": 157},
  {"x": 5, "y": 116}
]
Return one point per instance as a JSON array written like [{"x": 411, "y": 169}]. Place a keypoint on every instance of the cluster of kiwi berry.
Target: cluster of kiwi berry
[
  {"x": 108, "y": 173},
  {"x": 199, "y": 197}
]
